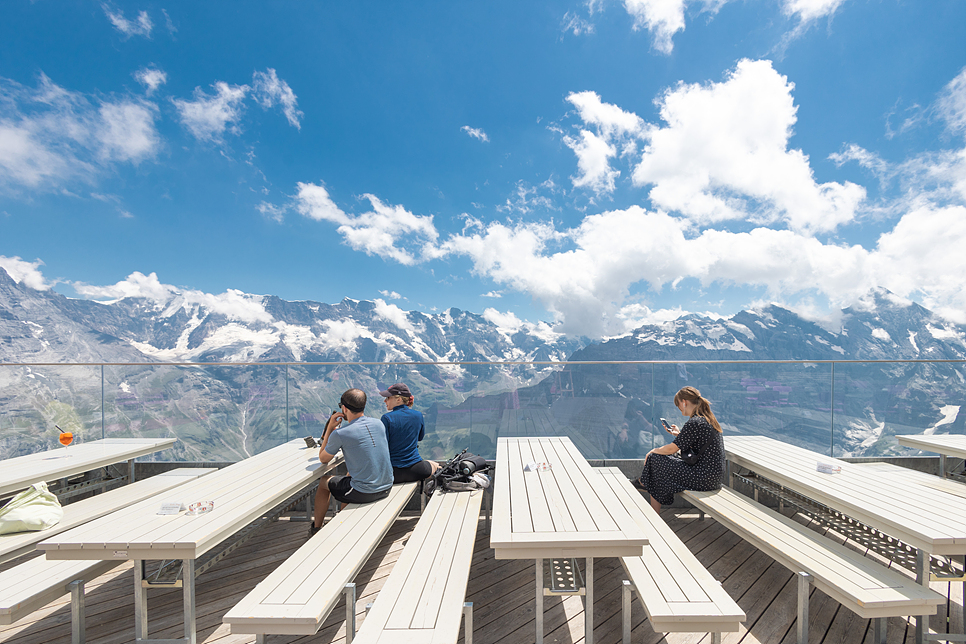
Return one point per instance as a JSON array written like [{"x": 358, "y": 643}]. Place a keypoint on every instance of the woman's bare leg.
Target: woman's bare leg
[{"x": 655, "y": 505}]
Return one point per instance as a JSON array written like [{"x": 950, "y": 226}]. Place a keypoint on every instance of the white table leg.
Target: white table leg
[
  {"x": 140, "y": 603},
  {"x": 589, "y": 602},
  {"x": 538, "y": 611}
]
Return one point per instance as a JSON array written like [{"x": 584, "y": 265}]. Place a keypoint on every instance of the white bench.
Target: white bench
[
  {"x": 865, "y": 587},
  {"x": 35, "y": 583},
  {"x": 678, "y": 593},
  {"x": 424, "y": 597},
  {"x": 298, "y": 595}
]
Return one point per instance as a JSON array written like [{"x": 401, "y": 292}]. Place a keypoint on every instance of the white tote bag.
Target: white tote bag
[{"x": 36, "y": 508}]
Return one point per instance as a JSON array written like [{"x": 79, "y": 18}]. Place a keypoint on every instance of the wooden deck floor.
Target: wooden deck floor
[{"x": 501, "y": 591}]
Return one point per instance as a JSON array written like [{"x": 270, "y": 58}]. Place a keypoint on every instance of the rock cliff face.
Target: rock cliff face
[{"x": 227, "y": 412}]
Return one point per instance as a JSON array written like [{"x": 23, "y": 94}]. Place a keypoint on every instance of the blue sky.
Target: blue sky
[{"x": 596, "y": 165}]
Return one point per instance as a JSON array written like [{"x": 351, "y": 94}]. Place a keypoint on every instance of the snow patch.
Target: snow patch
[
  {"x": 912, "y": 341},
  {"x": 949, "y": 412},
  {"x": 740, "y": 328}
]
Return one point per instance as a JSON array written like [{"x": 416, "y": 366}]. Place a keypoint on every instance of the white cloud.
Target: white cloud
[
  {"x": 476, "y": 133},
  {"x": 151, "y": 77},
  {"x": 617, "y": 131},
  {"x": 664, "y": 18},
  {"x": 493, "y": 294},
  {"x": 140, "y": 26},
  {"x": 392, "y": 295},
  {"x": 50, "y": 136},
  {"x": 268, "y": 90},
  {"x": 387, "y": 231},
  {"x": 506, "y": 322},
  {"x": 233, "y": 303},
  {"x": 395, "y": 315},
  {"x": 314, "y": 202},
  {"x": 593, "y": 162},
  {"x": 723, "y": 154},
  {"x": 952, "y": 103},
  {"x": 127, "y": 131},
  {"x": 271, "y": 211},
  {"x": 809, "y": 10},
  {"x": 26, "y": 273},
  {"x": 207, "y": 117},
  {"x": 576, "y": 25}
]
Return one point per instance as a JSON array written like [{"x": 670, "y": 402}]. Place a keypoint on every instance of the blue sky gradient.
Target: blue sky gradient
[{"x": 597, "y": 165}]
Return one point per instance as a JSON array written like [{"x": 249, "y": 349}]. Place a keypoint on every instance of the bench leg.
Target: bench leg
[
  {"x": 715, "y": 638},
  {"x": 130, "y": 471},
  {"x": 188, "y": 586},
  {"x": 140, "y": 603},
  {"x": 468, "y": 622},
  {"x": 77, "y": 631},
  {"x": 350, "y": 612},
  {"x": 538, "y": 612},
  {"x": 922, "y": 578},
  {"x": 260, "y": 638},
  {"x": 589, "y": 602},
  {"x": 879, "y": 626},
  {"x": 804, "y": 586},
  {"x": 626, "y": 587}
]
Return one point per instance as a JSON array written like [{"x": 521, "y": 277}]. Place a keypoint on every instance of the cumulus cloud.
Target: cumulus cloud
[
  {"x": 476, "y": 133},
  {"x": 151, "y": 77},
  {"x": 392, "y": 295},
  {"x": 269, "y": 90},
  {"x": 50, "y": 136},
  {"x": 140, "y": 26},
  {"x": 393, "y": 314},
  {"x": 594, "y": 149},
  {"x": 26, "y": 273},
  {"x": 387, "y": 231},
  {"x": 723, "y": 154},
  {"x": 233, "y": 303},
  {"x": 209, "y": 116}
]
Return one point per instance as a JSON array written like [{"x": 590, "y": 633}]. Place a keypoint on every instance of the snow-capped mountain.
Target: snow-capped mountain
[{"x": 226, "y": 412}]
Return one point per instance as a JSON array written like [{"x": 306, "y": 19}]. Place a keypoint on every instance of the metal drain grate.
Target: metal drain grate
[{"x": 565, "y": 577}]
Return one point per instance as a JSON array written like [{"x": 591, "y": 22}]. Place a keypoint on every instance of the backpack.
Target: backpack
[{"x": 463, "y": 472}]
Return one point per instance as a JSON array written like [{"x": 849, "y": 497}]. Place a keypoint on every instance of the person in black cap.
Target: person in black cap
[{"x": 404, "y": 429}]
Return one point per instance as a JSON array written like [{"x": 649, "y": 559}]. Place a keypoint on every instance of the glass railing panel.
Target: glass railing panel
[
  {"x": 218, "y": 413},
  {"x": 875, "y": 401},
  {"x": 36, "y": 398}
]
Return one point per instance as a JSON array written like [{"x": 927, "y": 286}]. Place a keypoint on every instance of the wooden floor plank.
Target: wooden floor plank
[{"x": 501, "y": 590}]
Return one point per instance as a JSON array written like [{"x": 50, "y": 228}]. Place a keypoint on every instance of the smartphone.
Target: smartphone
[{"x": 666, "y": 426}]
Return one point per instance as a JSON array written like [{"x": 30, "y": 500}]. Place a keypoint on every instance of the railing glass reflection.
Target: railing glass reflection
[{"x": 226, "y": 412}]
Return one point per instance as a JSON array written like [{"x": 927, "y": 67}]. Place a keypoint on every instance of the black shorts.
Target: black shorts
[
  {"x": 341, "y": 488},
  {"x": 416, "y": 472}
]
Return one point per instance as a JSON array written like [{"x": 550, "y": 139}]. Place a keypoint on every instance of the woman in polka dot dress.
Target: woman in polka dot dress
[{"x": 665, "y": 473}]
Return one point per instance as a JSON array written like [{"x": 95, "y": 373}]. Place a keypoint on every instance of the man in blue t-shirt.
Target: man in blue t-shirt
[
  {"x": 363, "y": 444},
  {"x": 404, "y": 429}
]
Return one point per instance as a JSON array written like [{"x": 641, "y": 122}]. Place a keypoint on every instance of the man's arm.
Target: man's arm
[{"x": 334, "y": 421}]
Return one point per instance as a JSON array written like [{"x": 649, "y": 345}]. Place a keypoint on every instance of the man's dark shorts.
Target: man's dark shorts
[
  {"x": 415, "y": 472},
  {"x": 341, "y": 488}
]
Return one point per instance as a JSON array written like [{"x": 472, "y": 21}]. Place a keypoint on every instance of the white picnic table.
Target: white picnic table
[
  {"x": 241, "y": 493},
  {"x": 943, "y": 444},
  {"x": 22, "y": 471},
  {"x": 926, "y": 518},
  {"x": 562, "y": 512}
]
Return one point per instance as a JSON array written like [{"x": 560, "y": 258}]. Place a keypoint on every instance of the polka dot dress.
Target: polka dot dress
[{"x": 663, "y": 476}]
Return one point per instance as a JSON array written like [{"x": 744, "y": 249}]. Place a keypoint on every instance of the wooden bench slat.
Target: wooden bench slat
[
  {"x": 297, "y": 596},
  {"x": 35, "y": 583},
  {"x": 862, "y": 585}
]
